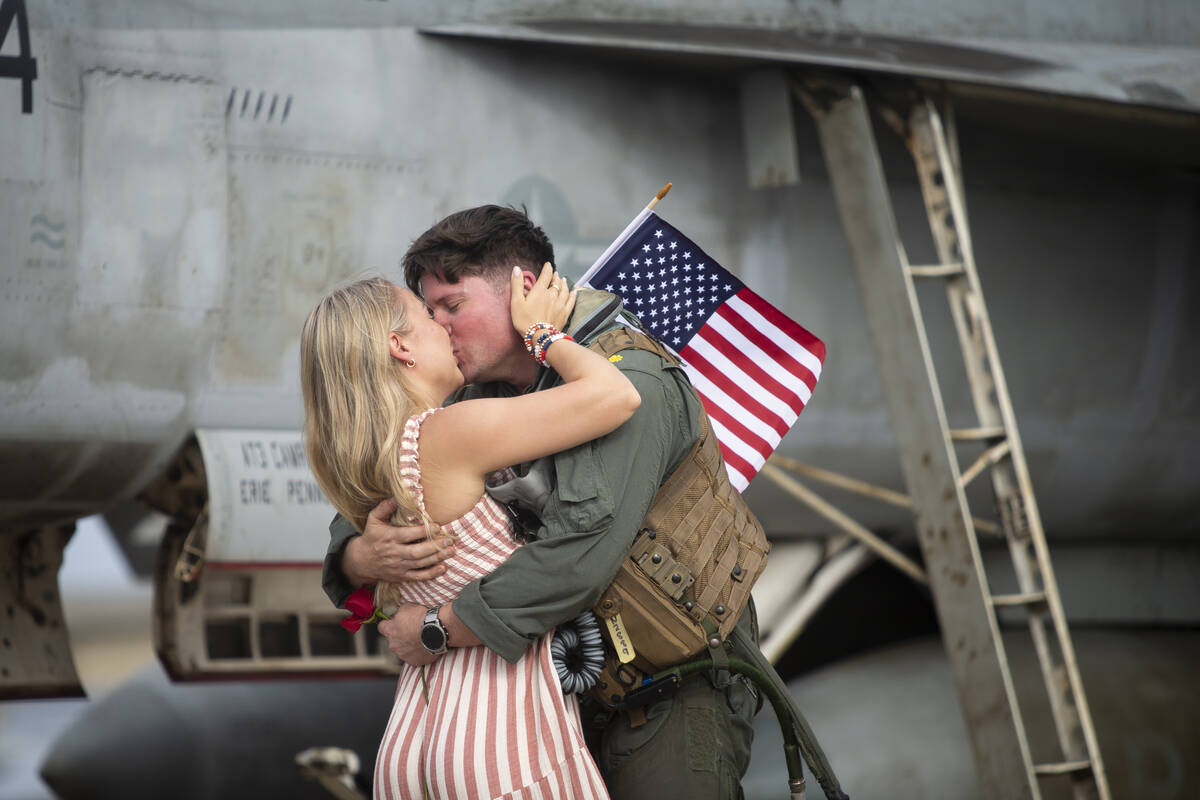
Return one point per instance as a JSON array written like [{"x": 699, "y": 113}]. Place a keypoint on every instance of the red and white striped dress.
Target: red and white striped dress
[{"x": 489, "y": 729}]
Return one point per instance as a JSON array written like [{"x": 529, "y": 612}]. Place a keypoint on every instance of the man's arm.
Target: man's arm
[
  {"x": 335, "y": 583},
  {"x": 604, "y": 490},
  {"x": 403, "y": 632},
  {"x": 381, "y": 553}
]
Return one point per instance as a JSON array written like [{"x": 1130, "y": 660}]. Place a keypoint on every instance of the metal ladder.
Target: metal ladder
[{"x": 966, "y": 607}]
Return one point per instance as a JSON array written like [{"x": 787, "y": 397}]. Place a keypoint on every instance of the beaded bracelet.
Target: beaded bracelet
[
  {"x": 544, "y": 343},
  {"x": 530, "y": 344},
  {"x": 539, "y": 337}
]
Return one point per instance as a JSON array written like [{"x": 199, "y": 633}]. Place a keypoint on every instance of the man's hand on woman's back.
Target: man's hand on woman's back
[{"x": 387, "y": 552}]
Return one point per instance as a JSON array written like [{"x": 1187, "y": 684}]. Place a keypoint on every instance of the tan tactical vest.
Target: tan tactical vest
[{"x": 687, "y": 578}]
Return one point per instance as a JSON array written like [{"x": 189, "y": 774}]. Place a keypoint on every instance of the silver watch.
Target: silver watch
[{"x": 434, "y": 636}]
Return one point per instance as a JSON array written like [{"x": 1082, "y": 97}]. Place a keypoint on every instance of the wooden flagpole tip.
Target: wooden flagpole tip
[{"x": 661, "y": 194}]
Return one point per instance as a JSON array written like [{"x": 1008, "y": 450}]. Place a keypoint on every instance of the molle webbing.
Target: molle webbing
[{"x": 697, "y": 554}]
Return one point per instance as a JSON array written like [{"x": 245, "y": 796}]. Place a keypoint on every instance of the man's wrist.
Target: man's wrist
[
  {"x": 353, "y": 562},
  {"x": 434, "y": 636}
]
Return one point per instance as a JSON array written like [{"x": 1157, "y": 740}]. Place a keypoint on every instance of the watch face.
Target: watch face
[{"x": 433, "y": 638}]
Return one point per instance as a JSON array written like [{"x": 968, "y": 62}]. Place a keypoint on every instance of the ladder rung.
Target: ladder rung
[
  {"x": 1025, "y": 599},
  {"x": 1063, "y": 768},
  {"x": 972, "y": 434},
  {"x": 936, "y": 270},
  {"x": 989, "y": 457}
]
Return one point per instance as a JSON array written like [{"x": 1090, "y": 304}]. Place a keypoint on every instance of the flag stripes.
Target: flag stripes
[{"x": 753, "y": 367}]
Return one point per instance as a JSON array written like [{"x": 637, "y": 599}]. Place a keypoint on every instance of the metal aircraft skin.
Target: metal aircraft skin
[{"x": 179, "y": 185}]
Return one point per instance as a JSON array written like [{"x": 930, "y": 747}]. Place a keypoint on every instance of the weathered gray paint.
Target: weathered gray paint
[
  {"x": 132, "y": 324},
  {"x": 1084, "y": 21}
]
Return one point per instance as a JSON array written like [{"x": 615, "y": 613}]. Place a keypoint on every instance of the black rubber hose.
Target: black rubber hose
[{"x": 797, "y": 736}]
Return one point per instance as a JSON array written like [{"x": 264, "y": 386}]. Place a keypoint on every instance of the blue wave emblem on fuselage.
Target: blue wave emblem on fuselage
[{"x": 48, "y": 232}]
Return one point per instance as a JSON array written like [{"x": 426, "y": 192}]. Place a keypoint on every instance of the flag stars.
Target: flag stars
[
  {"x": 660, "y": 247},
  {"x": 674, "y": 245},
  {"x": 658, "y": 234},
  {"x": 687, "y": 254},
  {"x": 620, "y": 276},
  {"x": 646, "y": 248}
]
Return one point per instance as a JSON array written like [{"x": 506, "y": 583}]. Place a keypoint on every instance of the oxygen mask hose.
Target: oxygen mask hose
[{"x": 797, "y": 736}]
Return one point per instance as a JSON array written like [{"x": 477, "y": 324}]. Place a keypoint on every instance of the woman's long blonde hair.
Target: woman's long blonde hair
[{"x": 356, "y": 401}]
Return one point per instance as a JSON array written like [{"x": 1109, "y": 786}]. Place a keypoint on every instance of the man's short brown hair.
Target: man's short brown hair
[{"x": 487, "y": 241}]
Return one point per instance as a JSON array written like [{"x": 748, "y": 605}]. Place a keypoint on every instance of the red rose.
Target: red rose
[{"x": 360, "y": 603}]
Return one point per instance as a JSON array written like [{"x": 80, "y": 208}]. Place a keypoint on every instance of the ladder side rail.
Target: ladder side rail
[
  {"x": 925, "y": 123},
  {"x": 967, "y": 309},
  {"x": 1065, "y": 717},
  {"x": 947, "y": 537}
]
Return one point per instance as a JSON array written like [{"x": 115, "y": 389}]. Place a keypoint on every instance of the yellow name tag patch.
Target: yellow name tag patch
[
  {"x": 620, "y": 639},
  {"x": 615, "y": 357}
]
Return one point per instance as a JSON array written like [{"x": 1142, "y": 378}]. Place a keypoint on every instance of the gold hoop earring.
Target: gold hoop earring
[{"x": 410, "y": 363}]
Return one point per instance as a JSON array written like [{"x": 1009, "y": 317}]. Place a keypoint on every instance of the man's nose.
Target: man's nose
[{"x": 443, "y": 319}]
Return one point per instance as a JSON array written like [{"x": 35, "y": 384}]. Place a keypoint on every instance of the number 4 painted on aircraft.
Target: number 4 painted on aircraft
[{"x": 23, "y": 65}]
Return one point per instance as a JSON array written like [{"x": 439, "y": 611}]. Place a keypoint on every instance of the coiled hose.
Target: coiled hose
[{"x": 577, "y": 652}]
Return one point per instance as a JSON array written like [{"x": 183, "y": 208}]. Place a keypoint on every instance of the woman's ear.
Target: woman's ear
[{"x": 397, "y": 348}]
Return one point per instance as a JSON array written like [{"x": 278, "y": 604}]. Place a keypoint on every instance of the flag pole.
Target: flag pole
[
  {"x": 587, "y": 276},
  {"x": 661, "y": 194}
]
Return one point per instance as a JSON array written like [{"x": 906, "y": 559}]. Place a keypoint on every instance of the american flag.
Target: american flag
[{"x": 753, "y": 367}]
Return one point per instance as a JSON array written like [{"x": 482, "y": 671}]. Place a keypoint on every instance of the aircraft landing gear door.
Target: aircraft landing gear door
[{"x": 238, "y": 581}]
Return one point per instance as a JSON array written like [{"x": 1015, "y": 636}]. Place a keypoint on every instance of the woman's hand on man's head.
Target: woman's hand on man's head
[{"x": 548, "y": 299}]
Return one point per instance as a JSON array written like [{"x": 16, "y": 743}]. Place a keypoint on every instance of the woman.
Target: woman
[{"x": 374, "y": 370}]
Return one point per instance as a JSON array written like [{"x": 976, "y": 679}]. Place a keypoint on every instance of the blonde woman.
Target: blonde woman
[{"x": 375, "y": 368}]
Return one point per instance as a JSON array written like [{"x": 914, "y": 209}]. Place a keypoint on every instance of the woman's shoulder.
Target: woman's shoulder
[{"x": 410, "y": 438}]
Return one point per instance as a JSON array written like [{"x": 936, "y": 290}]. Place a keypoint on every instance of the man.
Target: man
[{"x": 589, "y": 501}]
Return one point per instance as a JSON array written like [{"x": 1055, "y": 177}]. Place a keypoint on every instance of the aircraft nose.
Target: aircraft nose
[
  {"x": 133, "y": 743},
  {"x": 152, "y": 739}
]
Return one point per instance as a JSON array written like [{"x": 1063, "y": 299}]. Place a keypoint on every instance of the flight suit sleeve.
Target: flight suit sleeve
[
  {"x": 604, "y": 489},
  {"x": 333, "y": 581}
]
